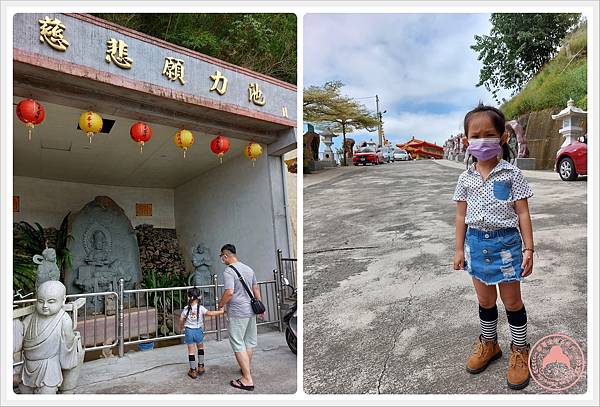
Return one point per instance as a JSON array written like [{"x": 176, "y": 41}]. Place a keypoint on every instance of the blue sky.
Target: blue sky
[{"x": 420, "y": 65}]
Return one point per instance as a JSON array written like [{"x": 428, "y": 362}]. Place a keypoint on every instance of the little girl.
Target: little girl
[
  {"x": 494, "y": 241},
  {"x": 192, "y": 318}
]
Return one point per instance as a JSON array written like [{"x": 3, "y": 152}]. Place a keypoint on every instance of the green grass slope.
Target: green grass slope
[{"x": 562, "y": 78}]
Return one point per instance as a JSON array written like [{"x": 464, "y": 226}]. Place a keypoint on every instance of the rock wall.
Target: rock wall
[
  {"x": 543, "y": 138},
  {"x": 159, "y": 251}
]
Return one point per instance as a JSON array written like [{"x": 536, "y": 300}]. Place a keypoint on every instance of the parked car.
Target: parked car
[
  {"x": 571, "y": 160},
  {"x": 401, "y": 155},
  {"x": 388, "y": 153},
  {"x": 368, "y": 155}
]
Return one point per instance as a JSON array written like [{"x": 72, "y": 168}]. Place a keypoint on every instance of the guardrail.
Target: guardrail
[{"x": 126, "y": 317}]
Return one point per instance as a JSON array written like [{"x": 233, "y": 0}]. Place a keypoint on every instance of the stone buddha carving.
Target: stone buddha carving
[
  {"x": 202, "y": 274},
  {"x": 52, "y": 350},
  {"x": 47, "y": 269},
  {"x": 100, "y": 271}
]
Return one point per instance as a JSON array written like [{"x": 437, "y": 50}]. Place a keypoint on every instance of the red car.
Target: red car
[
  {"x": 571, "y": 161},
  {"x": 368, "y": 155}
]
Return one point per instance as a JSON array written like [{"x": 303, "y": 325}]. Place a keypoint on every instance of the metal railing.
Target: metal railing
[
  {"x": 98, "y": 329},
  {"x": 287, "y": 269}
]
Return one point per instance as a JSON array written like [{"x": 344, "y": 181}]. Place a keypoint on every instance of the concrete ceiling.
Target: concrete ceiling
[{"x": 59, "y": 151}]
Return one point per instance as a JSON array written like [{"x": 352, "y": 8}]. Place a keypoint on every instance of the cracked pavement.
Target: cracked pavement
[{"x": 383, "y": 310}]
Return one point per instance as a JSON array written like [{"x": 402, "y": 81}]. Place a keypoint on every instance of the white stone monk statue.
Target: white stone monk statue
[{"x": 50, "y": 346}]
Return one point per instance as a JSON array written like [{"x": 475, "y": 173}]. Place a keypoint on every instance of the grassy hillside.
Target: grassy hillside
[{"x": 562, "y": 78}]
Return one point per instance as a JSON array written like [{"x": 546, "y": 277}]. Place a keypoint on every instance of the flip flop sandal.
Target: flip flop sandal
[{"x": 239, "y": 385}]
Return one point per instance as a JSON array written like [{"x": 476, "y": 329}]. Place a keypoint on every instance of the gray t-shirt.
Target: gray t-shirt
[{"x": 239, "y": 306}]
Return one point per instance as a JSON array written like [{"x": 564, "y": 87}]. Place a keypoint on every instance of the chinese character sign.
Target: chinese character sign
[
  {"x": 219, "y": 83},
  {"x": 255, "y": 95},
  {"x": 51, "y": 32},
  {"x": 173, "y": 69},
  {"x": 116, "y": 51}
]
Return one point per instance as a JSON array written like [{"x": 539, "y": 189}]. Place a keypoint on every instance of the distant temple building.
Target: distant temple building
[{"x": 420, "y": 149}]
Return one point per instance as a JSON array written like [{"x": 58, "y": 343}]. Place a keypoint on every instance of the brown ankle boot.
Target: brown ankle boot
[
  {"x": 484, "y": 352},
  {"x": 192, "y": 373},
  {"x": 517, "y": 376},
  {"x": 201, "y": 370}
]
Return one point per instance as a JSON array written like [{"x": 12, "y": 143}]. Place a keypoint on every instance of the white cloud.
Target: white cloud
[{"x": 420, "y": 65}]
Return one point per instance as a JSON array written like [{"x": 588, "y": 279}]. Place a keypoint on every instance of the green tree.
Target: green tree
[
  {"x": 263, "y": 42},
  {"x": 325, "y": 105},
  {"x": 518, "y": 45}
]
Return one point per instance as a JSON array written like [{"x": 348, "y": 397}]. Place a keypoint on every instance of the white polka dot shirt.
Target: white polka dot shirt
[{"x": 490, "y": 203}]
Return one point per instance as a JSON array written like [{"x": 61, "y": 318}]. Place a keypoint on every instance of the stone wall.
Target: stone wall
[
  {"x": 543, "y": 138},
  {"x": 159, "y": 251}
]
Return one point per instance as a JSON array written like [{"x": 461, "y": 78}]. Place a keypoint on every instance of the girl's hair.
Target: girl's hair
[
  {"x": 494, "y": 114},
  {"x": 193, "y": 294}
]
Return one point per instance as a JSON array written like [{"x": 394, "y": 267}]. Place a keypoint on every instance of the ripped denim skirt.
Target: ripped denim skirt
[{"x": 494, "y": 257}]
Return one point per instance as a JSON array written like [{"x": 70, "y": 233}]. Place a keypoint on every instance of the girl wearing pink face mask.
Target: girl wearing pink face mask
[{"x": 494, "y": 241}]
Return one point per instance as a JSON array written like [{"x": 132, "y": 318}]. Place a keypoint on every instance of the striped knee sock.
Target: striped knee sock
[
  {"x": 488, "y": 320},
  {"x": 517, "y": 321},
  {"x": 193, "y": 363},
  {"x": 201, "y": 357}
]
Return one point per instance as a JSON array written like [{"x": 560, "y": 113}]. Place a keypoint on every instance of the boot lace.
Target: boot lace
[
  {"x": 478, "y": 348},
  {"x": 517, "y": 358}
]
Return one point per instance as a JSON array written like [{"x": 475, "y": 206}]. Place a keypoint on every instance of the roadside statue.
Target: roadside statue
[
  {"x": 202, "y": 274},
  {"x": 52, "y": 350},
  {"x": 47, "y": 269},
  {"x": 517, "y": 129},
  {"x": 349, "y": 148},
  {"x": 99, "y": 272},
  {"x": 202, "y": 266}
]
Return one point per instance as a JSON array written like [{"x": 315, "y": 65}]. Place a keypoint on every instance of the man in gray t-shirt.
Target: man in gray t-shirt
[{"x": 240, "y": 316}]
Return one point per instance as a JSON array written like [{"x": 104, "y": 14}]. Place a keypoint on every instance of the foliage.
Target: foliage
[
  {"x": 163, "y": 303},
  {"x": 30, "y": 240},
  {"x": 562, "y": 78},
  {"x": 325, "y": 105},
  {"x": 262, "y": 42},
  {"x": 518, "y": 46}
]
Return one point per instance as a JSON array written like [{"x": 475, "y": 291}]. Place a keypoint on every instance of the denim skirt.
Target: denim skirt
[
  {"x": 193, "y": 335},
  {"x": 494, "y": 257}
]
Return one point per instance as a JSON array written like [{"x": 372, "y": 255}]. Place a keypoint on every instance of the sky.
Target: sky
[{"x": 420, "y": 65}]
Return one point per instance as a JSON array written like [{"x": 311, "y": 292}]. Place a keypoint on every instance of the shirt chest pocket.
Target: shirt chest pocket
[{"x": 502, "y": 190}]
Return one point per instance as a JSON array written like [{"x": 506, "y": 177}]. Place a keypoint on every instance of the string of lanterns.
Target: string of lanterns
[{"x": 32, "y": 113}]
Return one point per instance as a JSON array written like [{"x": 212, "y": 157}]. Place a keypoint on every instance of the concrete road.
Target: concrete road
[
  {"x": 164, "y": 370},
  {"x": 383, "y": 310}
]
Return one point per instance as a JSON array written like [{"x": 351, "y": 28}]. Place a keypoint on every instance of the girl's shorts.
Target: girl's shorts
[
  {"x": 494, "y": 257},
  {"x": 193, "y": 335}
]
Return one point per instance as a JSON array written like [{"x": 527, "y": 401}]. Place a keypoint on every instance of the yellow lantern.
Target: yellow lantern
[
  {"x": 253, "y": 151},
  {"x": 183, "y": 139},
  {"x": 90, "y": 123}
]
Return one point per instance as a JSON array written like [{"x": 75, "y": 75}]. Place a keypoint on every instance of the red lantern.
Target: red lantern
[
  {"x": 30, "y": 112},
  {"x": 220, "y": 145},
  {"x": 140, "y": 133}
]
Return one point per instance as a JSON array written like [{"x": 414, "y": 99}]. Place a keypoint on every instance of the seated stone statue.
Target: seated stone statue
[
  {"x": 47, "y": 269},
  {"x": 50, "y": 346}
]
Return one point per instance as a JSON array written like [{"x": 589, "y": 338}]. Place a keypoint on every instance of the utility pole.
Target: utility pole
[{"x": 378, "y": 120}]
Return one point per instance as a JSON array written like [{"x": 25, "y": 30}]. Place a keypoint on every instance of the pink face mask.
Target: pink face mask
[{"x": 484, "y": 148}]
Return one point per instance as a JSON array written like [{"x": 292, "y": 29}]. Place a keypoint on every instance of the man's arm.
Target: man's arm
[
  {"x": 227, "y": 295},
  {"x": 256, "y": 291}
]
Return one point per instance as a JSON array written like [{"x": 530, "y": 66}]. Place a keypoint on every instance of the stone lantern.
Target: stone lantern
[
  {"x": 571, "y": 122},
  {"x": 328, "y": 155}
]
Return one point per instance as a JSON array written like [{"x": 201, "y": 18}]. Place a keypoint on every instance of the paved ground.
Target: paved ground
[
  {"x": 163, "y": 370},
  {"x": 383, "y": 310}
]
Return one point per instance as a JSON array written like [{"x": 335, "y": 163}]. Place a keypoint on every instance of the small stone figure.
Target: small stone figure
[
  {"x": 202, "y": 274},
  {"x": 47, "y": 269},
  {"x": 51, "y": 349},
  {"x": 518, "y": 130}
]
